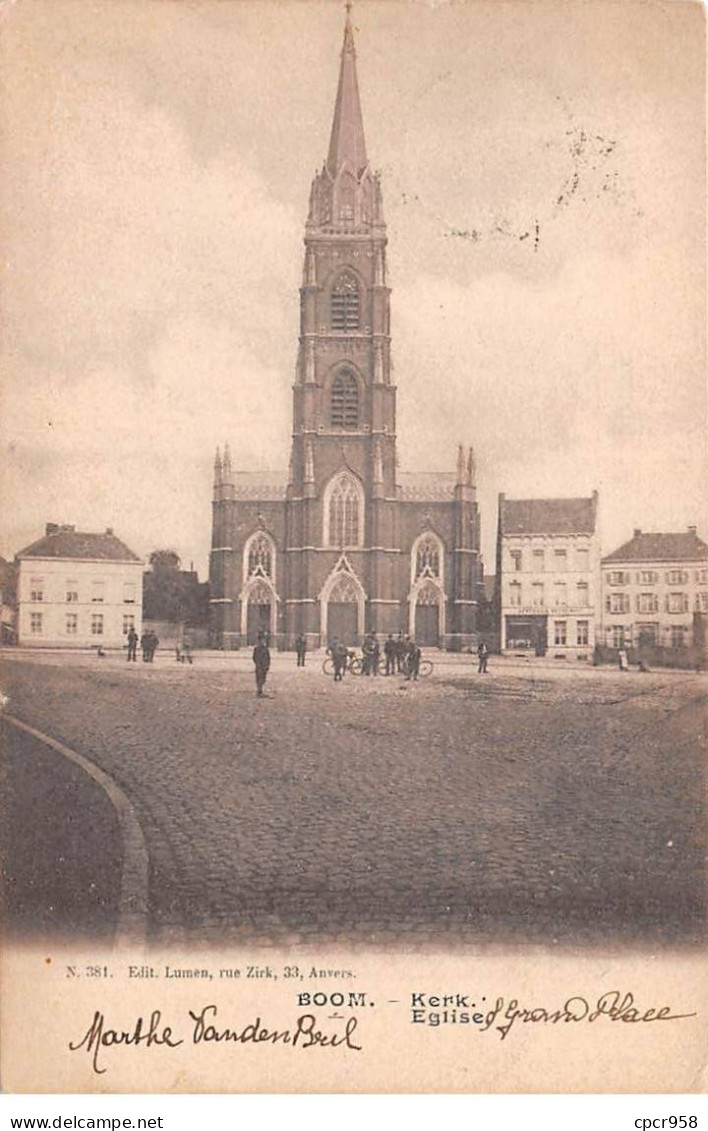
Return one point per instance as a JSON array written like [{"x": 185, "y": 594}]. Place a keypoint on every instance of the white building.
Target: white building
[
  {"x": 78, "y": 590},
  {"x": 548, "y": 575},
  {"x": 651, "y": 588}
]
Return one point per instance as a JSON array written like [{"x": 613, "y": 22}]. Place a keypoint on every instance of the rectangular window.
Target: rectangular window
[
  {"x": 677, "y": 602},
  {"x": 128, "y": 623},
  {"x": 559, "y": 632},
  {"x": 560, "y": 594},
  {"x": 582, "y": 594},
  {"x": 647, "y": 577},
  {"x": 129, "y": 593},
  {"x": 582, "y": 558},
  {"x": 702, "y": 602},
  {"x": 515, "y": 594},
  {"x": 647, "y": 603},
  {"x": 72, "y": 624},
  {"x": 560, "y": 559},
  {"x": 98, "y": 592},
  {"x": 515, "y": 556},
  {"x": 617, "y": 602},
  {"x": 539, "y": 561},
  {"x": 618, "y": 636},
  {"x": 72, "y": 592},
  {"x": 677, "y": 577},
  {"x": 36, "y": 623},
  {"x": 537, "y": 595},
  {"x": 97, "y": 624},
  {"x": 583, "y": 632},
  {"x": 618, "y": 577},
  {"x": 701, "y": 576},
  {"x": 36, "y": 589}
]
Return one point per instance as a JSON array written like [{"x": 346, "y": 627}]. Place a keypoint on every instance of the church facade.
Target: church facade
[{"x": 345, "y": 543}]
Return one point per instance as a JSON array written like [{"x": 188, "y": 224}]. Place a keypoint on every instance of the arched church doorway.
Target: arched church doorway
[
  {"x": 259, "y": 614},
  {"x": 427, "y": 616},
  {"x": 343, "y": 611}
]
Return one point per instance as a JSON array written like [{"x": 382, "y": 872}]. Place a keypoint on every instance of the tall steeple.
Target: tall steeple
[{"x": 347, "y": 145}]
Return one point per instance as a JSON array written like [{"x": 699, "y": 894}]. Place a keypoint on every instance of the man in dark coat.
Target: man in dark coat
[
  {"x": 261, "y": 659},
  {"x": 301, "y": 649},
  {"x": 413, "y": 660},
  {"x": 132, "y": 644},
  {"x": 390, "y": 654},
  {"x": 483, "y": 658},
  {"x": 145, "y": 645}
]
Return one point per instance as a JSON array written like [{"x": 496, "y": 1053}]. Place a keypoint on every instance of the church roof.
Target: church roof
[
  {"x": 76, "y": 544},
  {"x": 426, "y": 486},
  {"x": 548, "y": 516},
  {"x": 684, "y": 546},
  {"x": 347, "y": 145}
]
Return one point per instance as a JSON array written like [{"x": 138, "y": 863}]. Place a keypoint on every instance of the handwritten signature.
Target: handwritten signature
[
  {"x": 613, "y": 1006},
  {"x": 153, "y": 1033}
]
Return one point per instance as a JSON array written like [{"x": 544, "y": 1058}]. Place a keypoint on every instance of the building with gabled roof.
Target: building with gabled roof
[
  {"x": 344, "y": 543},
  {"x": 653, "y": 588},
  {"x": 547, "y": 575},
  {"x": 78, "y": 589}
]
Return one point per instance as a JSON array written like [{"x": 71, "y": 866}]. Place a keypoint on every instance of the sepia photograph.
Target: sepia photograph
[{"x": 354, "y": 573}]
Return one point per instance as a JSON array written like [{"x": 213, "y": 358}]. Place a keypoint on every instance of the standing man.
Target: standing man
[
  {"x": 483, "y": 657},
  {"x": 414, "y": 654},
  {"x": 338, "y": 659},
  {"x": 132, "y": 644},
  {"x": 145, "y": 645},
  {"x": 261, "y": 660},
  {"x": 301, "y": 649},
  {"x": 375, "y": 654},
  {"x": 401, "y": 649},
  {"x": 390, "y": 655}
]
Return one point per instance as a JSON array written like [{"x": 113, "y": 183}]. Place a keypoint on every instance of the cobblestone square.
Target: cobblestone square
[{"x": 532, "y": 807}]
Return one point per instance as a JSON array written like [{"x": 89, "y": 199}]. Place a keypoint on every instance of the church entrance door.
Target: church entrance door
[
  {"x": 258, "y": 620},
  {"x": 427, "y": 625},
  {"x": 259, "y": 614},
  {"x": 342, "y": 621},
  {"x": 427, "y": 616}
]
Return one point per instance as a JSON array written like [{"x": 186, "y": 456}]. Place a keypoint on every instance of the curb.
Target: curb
[{"x": 131, "y": 927}]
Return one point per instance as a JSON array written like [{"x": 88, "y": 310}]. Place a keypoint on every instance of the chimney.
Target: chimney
[
  {"x": 693, "y": 530},
  {"x": 109, "y": 530},
  {"x": 637, "y": 532},
  {"x": 51, "y": 528}
]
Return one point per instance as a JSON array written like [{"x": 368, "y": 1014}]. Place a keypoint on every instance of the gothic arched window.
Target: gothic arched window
[
  {"x": 344, "y": 512},
  {"x": 344, "y": 401},
  {"x": 345, "y": 303},
  {"x": 427, "y": 557},
  {"x": 259, "y": 557}
]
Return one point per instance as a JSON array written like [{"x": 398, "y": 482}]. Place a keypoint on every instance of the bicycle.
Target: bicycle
[
  {"x": 425, "y": 668},
  {"x": 353, "y": 666}
]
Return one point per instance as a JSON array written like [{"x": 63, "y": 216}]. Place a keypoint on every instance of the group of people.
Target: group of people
[
  {"x": 148, "y": 644},
  {"x": 401, "y": 654}
]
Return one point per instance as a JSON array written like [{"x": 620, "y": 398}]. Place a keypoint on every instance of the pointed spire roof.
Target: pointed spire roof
[{"x": 347, "y": 145}]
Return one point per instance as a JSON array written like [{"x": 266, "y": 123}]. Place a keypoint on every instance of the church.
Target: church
[{"x": 345, "y": 543}]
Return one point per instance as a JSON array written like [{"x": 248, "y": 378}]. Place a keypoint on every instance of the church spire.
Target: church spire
[{"x": 347, "y": 145}]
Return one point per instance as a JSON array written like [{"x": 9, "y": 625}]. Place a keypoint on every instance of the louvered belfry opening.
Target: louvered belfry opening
[
  {"x": 345, "y": 401},
  {"x": 345, "y": 304}
]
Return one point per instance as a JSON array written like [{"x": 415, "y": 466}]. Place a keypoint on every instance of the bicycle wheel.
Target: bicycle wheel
[
  {"x": 355, "y": 667},
  {"x": 328, "y": 666},
  {"x": 426, "y": 668}
]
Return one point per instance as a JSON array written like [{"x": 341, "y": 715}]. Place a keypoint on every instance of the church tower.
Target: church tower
[
  {"x": 344, "y": 409},
  {"x": 345, "y": 544}
]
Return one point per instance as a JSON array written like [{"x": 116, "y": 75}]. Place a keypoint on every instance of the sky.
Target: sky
[{"x": 543, "y": 177}]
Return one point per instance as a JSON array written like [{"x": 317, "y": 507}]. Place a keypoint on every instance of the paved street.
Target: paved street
[{"x": 532, "y": 806}]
